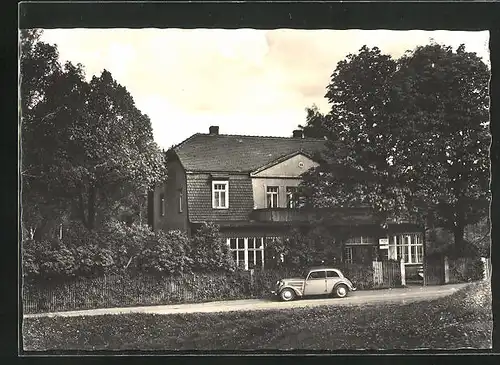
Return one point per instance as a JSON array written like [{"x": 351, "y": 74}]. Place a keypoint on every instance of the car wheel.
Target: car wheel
[
  {"x": 341, "y": 291},
  {"x": 287, "y": 295}
]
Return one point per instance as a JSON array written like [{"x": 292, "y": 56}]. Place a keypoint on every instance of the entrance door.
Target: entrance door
[{"x": 316, "y": 283}]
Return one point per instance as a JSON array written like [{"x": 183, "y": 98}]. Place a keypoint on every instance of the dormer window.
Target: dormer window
[{"x": 220, "y": 194}]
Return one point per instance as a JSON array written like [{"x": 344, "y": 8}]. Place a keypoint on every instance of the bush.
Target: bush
[
  {"x": 361, "y": 275},
  {"x": 311, "y": 248},
  {"x": 209, "y": 253},
  {"x": 47, "y": 258},
  {"x": 126, "y": 242},
  {"x": 464, "y": 269},
  {"x": 165, "y": 253}
]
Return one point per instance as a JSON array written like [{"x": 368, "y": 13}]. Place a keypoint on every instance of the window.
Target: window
[
  {"x": 162, "y": 205},
  {"x": 292, "y": 197},
  {"x": 255, "y": 253},
  {"x": 180, "y": 200},
  {"x": 237, "y": 248},
  {"x": 272, "y": 196},
  {"x": 406, "y": 247},
  {"x": 332, "y": 274},
  {"x": 348, "y": 255},
  {"x": 248, "y": 253},
  {"x": 317, "y": 275},
  {"x": 220, "y": 194},
  {"x": 362, "y": 240}
]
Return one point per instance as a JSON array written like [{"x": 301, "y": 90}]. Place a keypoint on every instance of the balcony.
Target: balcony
[
  {"x": 283, "y": 215},
  {"x": 336, "y": 216}
]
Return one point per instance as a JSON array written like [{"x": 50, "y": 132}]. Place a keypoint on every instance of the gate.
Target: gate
[
  {"x": 391, "y": 274},
  {"x": 433, "y": 270}
]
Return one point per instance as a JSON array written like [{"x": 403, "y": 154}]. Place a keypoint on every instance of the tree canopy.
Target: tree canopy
[
  {"x": 408, "y": 137},
  {"x": 87, "y": 151}
]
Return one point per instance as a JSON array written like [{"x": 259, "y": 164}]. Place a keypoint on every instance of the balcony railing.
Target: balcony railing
[
  {"x": 283, "y": 215},
  {"x": 335, "y": 216}
]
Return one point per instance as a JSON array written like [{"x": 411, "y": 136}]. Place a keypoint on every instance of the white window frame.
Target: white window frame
[
  {"x": 271, "y": 195},
  {"x": 348, "y": 254},
  {"x": 180, "y": 200},
  {"x": 361, "y": 241},
  {"x": 250, "y": 254},
  {"x": 406, "y": 246},
  {"x": 226, "y": 195}
]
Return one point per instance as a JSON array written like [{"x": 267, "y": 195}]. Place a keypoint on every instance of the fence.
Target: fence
[
  {"x": 126, "y": 290},
  {"x": 386, "y": 274},
  {"x": 444, "y": 270}
]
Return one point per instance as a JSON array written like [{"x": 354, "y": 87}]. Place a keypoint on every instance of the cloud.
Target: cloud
[{"x": 246, "y": 81}]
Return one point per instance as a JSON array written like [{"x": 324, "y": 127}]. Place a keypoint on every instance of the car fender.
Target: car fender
[
  {"x": 346, "y": 283},
  {"x": 296, "y": 290}
]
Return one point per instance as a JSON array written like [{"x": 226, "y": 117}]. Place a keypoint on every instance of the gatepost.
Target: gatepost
[
  {"x": 446, "y": 270},
  {"x": 403, "y": 273}
]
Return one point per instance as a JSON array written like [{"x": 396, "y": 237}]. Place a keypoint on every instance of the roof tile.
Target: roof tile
[{"x": 234, "y": 153}]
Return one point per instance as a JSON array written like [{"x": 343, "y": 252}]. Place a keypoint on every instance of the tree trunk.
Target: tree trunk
[
  {"x": 91, "y": 207},
  {"x": 81, "y": 209},
  {"x": 458, "y": 235}
]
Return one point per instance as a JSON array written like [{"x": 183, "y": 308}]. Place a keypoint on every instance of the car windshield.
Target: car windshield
[{"x": 305, "y": 273}]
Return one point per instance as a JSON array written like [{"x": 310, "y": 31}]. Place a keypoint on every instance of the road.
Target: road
[{"x": 364, "y": 297}]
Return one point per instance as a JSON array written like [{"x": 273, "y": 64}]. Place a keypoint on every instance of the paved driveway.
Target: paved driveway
[{"x": 363, "y": 297}]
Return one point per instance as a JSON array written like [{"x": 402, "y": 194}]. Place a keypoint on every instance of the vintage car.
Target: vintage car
[{"x": 315, "y": 281}]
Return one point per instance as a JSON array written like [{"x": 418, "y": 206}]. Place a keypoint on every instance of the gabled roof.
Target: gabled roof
[
  {"x": 235, "y": 153},
  {"x": 279, "y": 160}
]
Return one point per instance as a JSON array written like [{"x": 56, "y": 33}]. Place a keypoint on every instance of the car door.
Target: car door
[
  {"x": 332, "y": 278},
  {"x": 315, "y": 283}
]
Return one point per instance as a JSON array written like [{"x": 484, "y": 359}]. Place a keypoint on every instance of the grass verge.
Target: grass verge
[{"x": 462, "y": 320}]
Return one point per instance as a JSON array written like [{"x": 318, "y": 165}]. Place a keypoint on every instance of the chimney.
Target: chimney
[
  {"x": 214, "y": 130},
  {"x": 298, "y": 133}
]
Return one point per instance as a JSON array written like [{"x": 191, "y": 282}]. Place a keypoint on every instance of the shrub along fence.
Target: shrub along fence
[
  {"x": 464, "y": 269},
  {"x": 440, "y": 270},
  {"x": 125, "y": 290},
  {"x": 136, "y": 289}
]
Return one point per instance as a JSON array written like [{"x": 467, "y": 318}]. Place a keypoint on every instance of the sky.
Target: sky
[{"x": 246, "y": 81}]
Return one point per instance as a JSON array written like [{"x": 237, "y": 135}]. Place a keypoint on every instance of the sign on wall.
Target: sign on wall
[{"x": 383, "y": 242}]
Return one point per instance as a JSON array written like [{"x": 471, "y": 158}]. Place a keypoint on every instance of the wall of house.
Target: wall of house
[
  {"x": 155, "y": 219},
  {"x": 173, "y": 218},
  {"x": 283, "y": 174},
  {"x": 259, "y": 187},
  {"x": 292, "y": 167},
  {"x": 199, "y": 189}
]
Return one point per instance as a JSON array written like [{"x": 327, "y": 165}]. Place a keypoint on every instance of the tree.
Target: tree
[
  {"x": 40, "y": 69},
  {"x": 411, "y": 137},
  {"x": 313, "y": 247},
  {"x": 316, "y": 124},
  {"x": 443, "y": 154},
  {"x": 357, "y": 169},
  {"x": 86, "y": 149}
]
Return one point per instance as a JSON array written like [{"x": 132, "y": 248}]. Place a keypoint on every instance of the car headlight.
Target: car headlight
[{"x": 278, "y": 282}]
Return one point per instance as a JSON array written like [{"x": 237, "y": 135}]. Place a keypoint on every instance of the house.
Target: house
[{"x": 247, "y": 185}]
